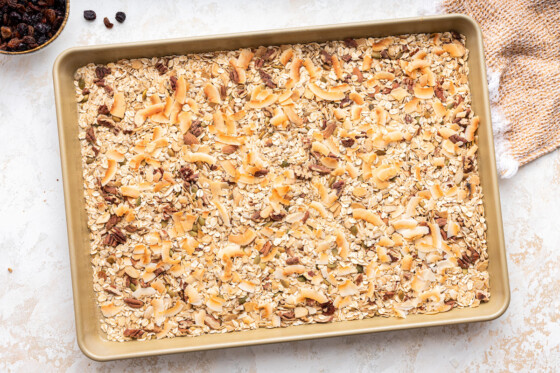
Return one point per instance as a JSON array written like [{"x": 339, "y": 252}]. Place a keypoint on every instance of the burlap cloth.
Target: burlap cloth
[{"x": 522, "y": 45}]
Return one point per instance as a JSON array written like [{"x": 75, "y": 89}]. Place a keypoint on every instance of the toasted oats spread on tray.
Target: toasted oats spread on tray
[{"x": 282, "y": 186}]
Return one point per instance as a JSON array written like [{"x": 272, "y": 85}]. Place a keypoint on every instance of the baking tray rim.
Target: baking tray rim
[{"x": 84, "y": 343}]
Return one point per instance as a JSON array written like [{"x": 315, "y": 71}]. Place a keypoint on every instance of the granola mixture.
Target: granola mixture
[{"x": 282, "y": 186}]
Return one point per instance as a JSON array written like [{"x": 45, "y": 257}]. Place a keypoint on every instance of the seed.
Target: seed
[
  {"x": 257, "y": 259},
  {"x": 120, "y": 17},
  {"x": 242, "y": 300},
  {"x": 89, "y": 15},
  {"x": 354, "y": 230},
  {"x": 194, "y": 189},
  {"x": 144, "y": 94},
  {"x": 331, "y": 181},
  {"x": 262, "y": 265},
  {"x": 376, "y": 55},
  {"x": 82, "y": 83},
  {"x": 334, "y": 251},
  {"x": 132, "y": 287},
  {"x": 301, "y": 278},
  {"x": 138, "y": 201},
  {"x": 89, "y": 160},
  {"x": 284, "y": 164},
  {"x": 164, "y": 223},
  {"x": 201, "y": 221},
  {"x": 170, "y": 152},
  {"x": 193, "y": 233},
  {"x": 331, "y": 265},
  {"x": 450, "y": 106},
  {"x": 84, "y": 99},
  {"x": 285, "y": 283},
  {"x": 107, "y": 23},
  {"x": 111, "y": 259},
  {"x": 116, "y": 119},
  {"x": 360, "y": 268}
]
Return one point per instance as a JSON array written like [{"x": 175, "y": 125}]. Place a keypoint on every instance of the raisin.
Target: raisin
[
  {"x": 120, "y": 17},
  {"x": 90, "y": 15},
  {"x": 107, "y": 23}
]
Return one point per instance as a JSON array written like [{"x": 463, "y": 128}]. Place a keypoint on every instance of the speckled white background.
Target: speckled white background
[{"x": 36, "y": 315}]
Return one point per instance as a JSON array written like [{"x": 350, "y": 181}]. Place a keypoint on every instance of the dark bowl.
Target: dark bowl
[{"x": 66, "y": 14}]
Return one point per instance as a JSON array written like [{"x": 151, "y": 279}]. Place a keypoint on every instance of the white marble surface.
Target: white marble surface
[{"x": 36, "y": 315}]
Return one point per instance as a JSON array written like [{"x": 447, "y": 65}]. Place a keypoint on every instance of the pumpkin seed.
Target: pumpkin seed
[
  {"x": 354, "y": 230},
  {"x": 82, "y": 83},
  {"x": 360, "y": 268}
]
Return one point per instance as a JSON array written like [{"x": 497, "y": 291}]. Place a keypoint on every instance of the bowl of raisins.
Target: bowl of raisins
[{"x": 29, "y": 25}]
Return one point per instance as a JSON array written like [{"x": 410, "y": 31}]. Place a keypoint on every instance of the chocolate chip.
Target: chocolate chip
[
  {"x": 107, "y": 23},
  {"x": 120, "y": 17},
  {"x": 90, "y": 15}
]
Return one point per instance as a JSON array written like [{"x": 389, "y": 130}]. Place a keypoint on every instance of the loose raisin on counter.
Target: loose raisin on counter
[
  {"x": 90, "y": 15},
  {"x": 107, "y": 23},
  {"x": 120, "y": 17}
]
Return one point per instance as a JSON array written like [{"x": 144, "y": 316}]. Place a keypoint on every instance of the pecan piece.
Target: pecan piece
[
  {"x": 338, "y": 186},
  {"x": 187, "y": 174},
  {"x": 90, "y": 135},
  {"x": 329, "y": 130},
  {"x": 328, "y": 308},
  {"x": 190, "y": 139},
  {"x": 133, "y": 303},
  {"x": 261, "y": 173},
  {"x": 350, "y": 43},
  {"x": 173, "y": 82},
  {"x": 161, "y": 68},
  {"x": 320, "y": 169},
  {"x": 359, "y": 74},
  {"x": 347, "y": 142},
  {"x": 103, "y": 109},
  {"x": 266, "y": 248},
  {"x": 293, "y": 260},
  {"x": 234, "y": 76},
  {"x": 441, "y": 222},
  {"x": 113, "y": 221},
  {"x": 289, "y": 315},
  {"x": 229, "y": 149},
  {"x": 133, "y": 333},
  {"x": 277, "y": 216},
  {"x": 456, "y": 138},
  {"x": 267, "y": 79},
  {"x": 256, "y": 216},
  {"x": 305, "y": 217}
]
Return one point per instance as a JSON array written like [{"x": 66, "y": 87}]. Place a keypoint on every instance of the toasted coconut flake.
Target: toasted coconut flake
[
  {"x": 279, "y": 117},
  {"x": 115, "y": 155},
  {"x": 293, "y": 269},
  {"x": 366, "y": 64},
  {"x": 294, "y": 69},
  {"x": 130, "y": 191},
  {"x": 369, "y": 216},
  {"x": 325, "y": 95},
  {"x": 313, "y": 295},
  {"x": 223, "y": 212},
  {"x": 381, "y": 44},
  {"x": 311, "y": 69},
  {"x": 453, "y": 229},
  {"x": 293, "y": 116},
  {"x": 286, "y": 56},
  {"x": 119, "y": 105},
  {"x": 347, "y": 288},
  {"x": 215, "y": 303},
  {"x": 319, "y": 208},
  {"x": 436, "y": 191},
  {"x": 230, "y": 140},
  {"x": 267, "y": 101},
  {"x": 110, "y": 172},
  {"x": 417, "y": 64},
  {"x": 381, "y": 116},
  {"x": 399, "y": 93},
  {"x": 471, "y": 129},
  {"x": 247, "y": 286},
  {"x": 245, "y": 58},
  {"x": 143, "y": 114},
  {"x": 439, "y": 109},
  {"x": 412, "y": 234},
  {"x": 455, "y": 49},
  {"x": 181, "y": 90},
  {"x": 383, "y": 75},
  {"x": 408, "y": 223},
  {"x": 212, "y": 94},
  {"x": 342, "y": 243},
  {"x": 423, "y": 93},
  {"x": 110, "y": 310},
  {"x": 193, "y": 295},
  {"x": 336, "y": 66},
  {"x": 243, "y": 239},
  {"x": 199, "y": 157}
]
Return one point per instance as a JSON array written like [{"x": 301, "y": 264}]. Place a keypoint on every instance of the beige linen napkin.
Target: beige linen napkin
[{"x": 522, "y": 45}]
